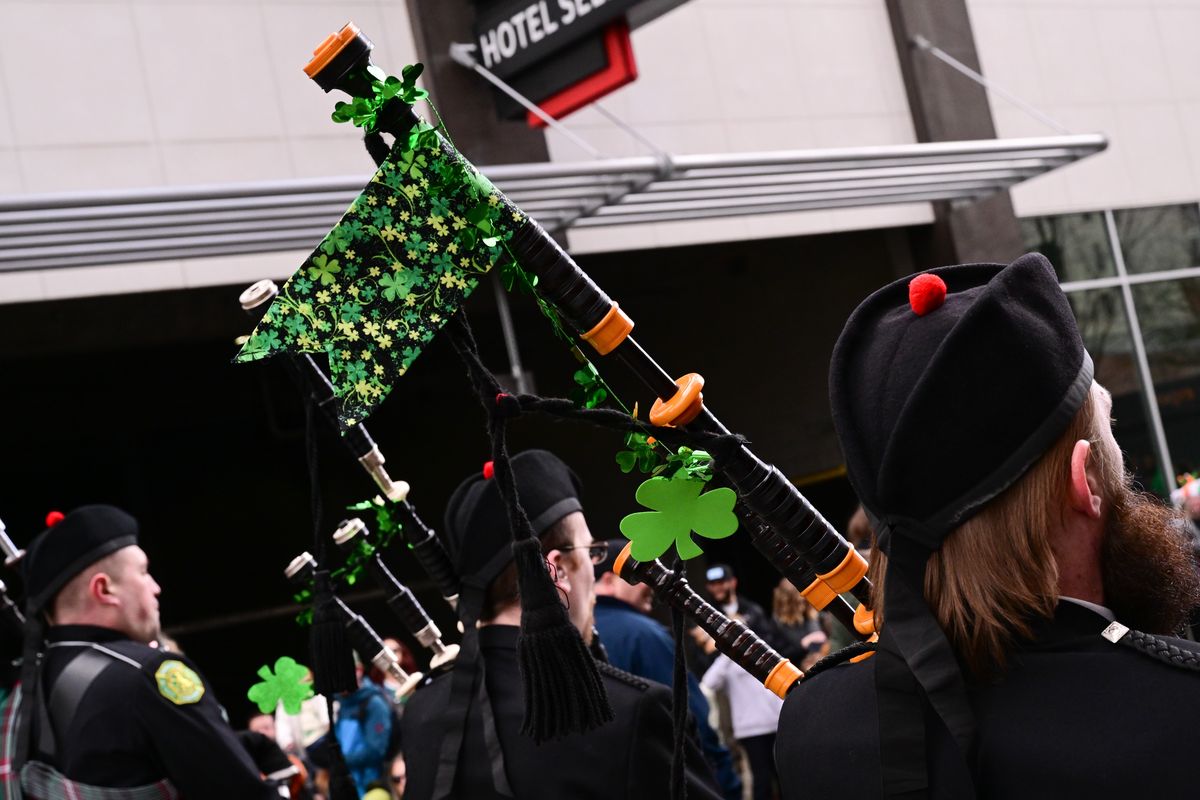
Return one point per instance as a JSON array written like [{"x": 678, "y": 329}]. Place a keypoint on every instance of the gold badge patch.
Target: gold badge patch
[{"x": 178, "y": 683}]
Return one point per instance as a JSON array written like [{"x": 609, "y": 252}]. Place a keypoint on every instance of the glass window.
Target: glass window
[
  {"x": 1076, "y": 244},
  {"x": 1159, "y": 238},
  {"x": 1105, "y": 329},
  {"x": 1169, "y": 314}
]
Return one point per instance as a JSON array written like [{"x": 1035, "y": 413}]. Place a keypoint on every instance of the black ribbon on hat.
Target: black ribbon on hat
[{"x": 914, "y": 665}]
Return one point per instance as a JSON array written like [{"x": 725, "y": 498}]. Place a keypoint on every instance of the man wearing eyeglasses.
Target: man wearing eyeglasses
[{"x": 462, "y": 730}]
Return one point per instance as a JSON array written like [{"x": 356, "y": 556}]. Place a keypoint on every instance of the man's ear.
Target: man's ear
[
  {"x": 1084, "y": 490},
  {"x": 100, "y": 589},
  {"x": 557, "y": 559}
]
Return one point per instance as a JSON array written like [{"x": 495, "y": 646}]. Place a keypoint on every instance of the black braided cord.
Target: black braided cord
[
  {"x": 840, "y": 657},
  {"x": 1161, "y": 649}
]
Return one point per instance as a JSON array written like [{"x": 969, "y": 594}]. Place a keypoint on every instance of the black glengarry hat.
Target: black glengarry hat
[
  {"x": 939, "y": 407},
  {"x": 477, "y": 530},
  {"x": 70, "y": 546}
]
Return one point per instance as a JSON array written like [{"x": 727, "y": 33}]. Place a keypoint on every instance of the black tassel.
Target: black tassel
[
  {"x": 563, "y": 690},
  {"x": 679, "y": 706},
  {"x": 341, "y": 784},
  {"x": 332, "y": 660}
]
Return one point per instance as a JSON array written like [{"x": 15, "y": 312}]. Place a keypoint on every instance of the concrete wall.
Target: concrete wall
[
  {"x": 118, "y": 94},
  {"x": 741, "y": 75},
  {"x": 1126, "y": 68}
]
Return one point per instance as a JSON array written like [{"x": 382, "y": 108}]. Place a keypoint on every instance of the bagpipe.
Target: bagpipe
[
  {"x": 732, "y": 637},
  {"x": 781, "y": 522},
  {"x": 490, "y": 231}
]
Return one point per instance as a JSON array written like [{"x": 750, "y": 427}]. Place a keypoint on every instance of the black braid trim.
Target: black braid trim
[
  {"x": 840, "y": 657},
  {"x": 1162, "y": 650}
]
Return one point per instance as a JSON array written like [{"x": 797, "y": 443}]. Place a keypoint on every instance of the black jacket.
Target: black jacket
[
  {"x": 144, "y": 719},
  {"x": 1074, "y": 716},
  {"x": 629, "y": 757}
]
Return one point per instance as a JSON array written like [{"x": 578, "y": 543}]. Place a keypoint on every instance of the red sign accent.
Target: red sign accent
[{"x": 621, "y": 70}]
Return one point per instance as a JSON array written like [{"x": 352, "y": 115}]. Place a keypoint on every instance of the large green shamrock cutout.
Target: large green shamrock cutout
[
  {"x": 678, "y": 509},
  {"x": 290, "y": 685}
]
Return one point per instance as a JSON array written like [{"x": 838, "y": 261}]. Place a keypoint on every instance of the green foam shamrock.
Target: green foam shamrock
[
  {"x": 678, "y": 509},
  {"x": 289, "y": 685},
  {"x": 380, "y": 285}
]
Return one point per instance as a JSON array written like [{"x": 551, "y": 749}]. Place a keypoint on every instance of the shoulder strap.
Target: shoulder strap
[{"x": 55, "y": 712}]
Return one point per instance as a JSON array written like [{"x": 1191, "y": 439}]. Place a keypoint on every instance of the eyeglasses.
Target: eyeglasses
[{"x": 597, "y": 551}]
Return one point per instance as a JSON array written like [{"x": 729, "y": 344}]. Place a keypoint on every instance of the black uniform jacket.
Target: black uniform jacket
[
  {"x": 1074, "y": 716},
  {"x": 126, "y": 732},
  {"x": 629, "y": 757}
]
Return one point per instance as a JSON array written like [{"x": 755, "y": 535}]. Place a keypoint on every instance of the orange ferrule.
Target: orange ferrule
[
  {"x": 783, "y": 677},
  {"x": 684, "y": 406},
  {"x": 868, "y": 654},
  {"x": 327, "y": 50},
  {"x": 845, "y": 575},
  {"x": 619, "y": 564},
  {"x": 864, "y": 620},
  {"x": 818, "y": 594},
  {"x": 610, "y": 331}
]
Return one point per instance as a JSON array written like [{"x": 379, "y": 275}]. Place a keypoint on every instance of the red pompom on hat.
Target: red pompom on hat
[
  {"x": 926, "y": 293},
  {"x": 53, "y": 518},
  {"x": 489, "y": 470}
]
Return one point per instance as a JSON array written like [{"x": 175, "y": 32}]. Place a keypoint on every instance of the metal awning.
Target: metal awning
[{"x": 39, "y": 232}]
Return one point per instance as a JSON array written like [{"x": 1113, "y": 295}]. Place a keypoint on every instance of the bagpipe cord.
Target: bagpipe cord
[
  {"x": 333, "y": 664},
  {"x": 679, "y": 706},
  {"x": 563, "y": 690}
]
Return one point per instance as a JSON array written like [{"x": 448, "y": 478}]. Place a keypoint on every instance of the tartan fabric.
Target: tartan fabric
[
  {"x": 10, "y": 789},
  {"x": 43, "y": 782}
]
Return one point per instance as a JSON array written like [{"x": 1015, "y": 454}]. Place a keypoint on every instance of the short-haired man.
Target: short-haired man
[
  {"x": 462, "y": 733},
  {"x": 1018, "y": 563},
  {"x": 103, "y": 708}
]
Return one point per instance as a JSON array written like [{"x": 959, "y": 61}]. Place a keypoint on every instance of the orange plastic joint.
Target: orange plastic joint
[
  {"x": 818, "y": 594},
  {"x": 783, "y": 677},
  {"x": 864, "y": 620},
  {"x": 868, "y": 654},
  {"x": 684, "y": 407},
  {"x": 328, "y": 49},
  {"x": 619, "y": 564},
  {"x": 610, "y": 331},
  {"x": 845, "y": 575}
]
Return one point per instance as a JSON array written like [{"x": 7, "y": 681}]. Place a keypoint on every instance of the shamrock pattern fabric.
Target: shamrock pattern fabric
[{"x": 403, "y": 258}]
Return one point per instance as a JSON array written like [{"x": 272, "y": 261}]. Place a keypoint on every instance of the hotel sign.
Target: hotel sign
[{"x": 511, "y": 36}]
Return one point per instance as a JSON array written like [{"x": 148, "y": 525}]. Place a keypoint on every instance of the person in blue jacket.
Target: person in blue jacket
[{"x": 363, "y": 729}]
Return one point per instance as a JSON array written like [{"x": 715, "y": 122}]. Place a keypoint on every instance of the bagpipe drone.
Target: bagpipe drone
[{"x": 394, "y": 273}]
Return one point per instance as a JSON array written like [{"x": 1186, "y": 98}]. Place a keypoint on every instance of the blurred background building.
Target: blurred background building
[{"x": 117, "y": 333}]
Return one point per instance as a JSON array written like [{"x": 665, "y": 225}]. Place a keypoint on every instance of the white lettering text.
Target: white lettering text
[
  {"x": 487, "y": 46},
  {"x": 507, "y": 39},
  {"x": 568, "y": 9}
]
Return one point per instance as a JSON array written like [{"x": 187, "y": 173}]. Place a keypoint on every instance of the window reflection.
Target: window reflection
[
  {"x": 1076, "y": 244},
  {"x": 1105, "y": 330},
  {"x": 1169, "y": 315},
  {"x": 1159, "y": 238}
]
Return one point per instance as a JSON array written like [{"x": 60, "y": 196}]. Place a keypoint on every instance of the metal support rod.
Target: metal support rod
[
  {"x": 510, "y": 334},
  {"x": 921, "y": 43},
  {"x": 1158, "y": 433},
  {"x": 462, "y": 54}
]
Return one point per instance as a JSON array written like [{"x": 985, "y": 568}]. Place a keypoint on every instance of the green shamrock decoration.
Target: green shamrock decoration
[
  {"x": 590, "y": 391},
  {"x": 641, "y": 454},
  {"x": 677, "y": 509},
  {"x": 402, "y": 259},
  {"x": 290, "y": 685}
]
